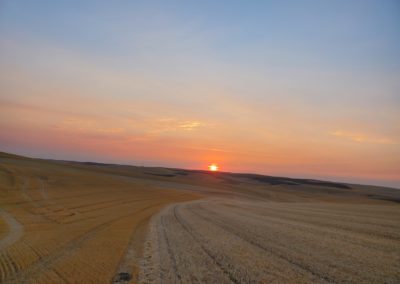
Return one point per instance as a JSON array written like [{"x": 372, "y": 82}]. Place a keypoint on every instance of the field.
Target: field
[
  {"x": 68, "y": 222},
  {"x": 224, "y": 241}
]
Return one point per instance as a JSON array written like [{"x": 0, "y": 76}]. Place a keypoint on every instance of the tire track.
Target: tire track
[
  {"x": 130, "y": 257},
  {"x": 233, "y": 230},
  {"x": 169, "y": 250},
  {"x": 208, "y": 252},
  {"x": 346, "y": 236},
  {"x": 16, "y": 230},
  {"x": 25, "y": 193}
]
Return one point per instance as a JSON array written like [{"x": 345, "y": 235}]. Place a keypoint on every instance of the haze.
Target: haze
[{"x": 301, "y": 89}]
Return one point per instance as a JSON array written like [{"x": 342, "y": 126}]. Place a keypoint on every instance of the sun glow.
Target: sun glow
[{"x": 213, "y": 167}]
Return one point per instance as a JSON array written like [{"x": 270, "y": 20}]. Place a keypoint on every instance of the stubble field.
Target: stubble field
[
  {"x": 67, "y": 222},
  {"x": 226, "y": 241},
  {"x": 62, "y": 224}
]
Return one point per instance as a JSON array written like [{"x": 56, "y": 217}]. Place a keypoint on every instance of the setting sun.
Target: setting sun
[
  {"x": 259, "y": 139},
  {"x": 213, "y": 167}
]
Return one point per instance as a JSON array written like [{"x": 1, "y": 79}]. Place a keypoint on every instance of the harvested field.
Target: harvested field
[
  {"x": 69, "y": 222},
  {"x": 61, "y": 224},
  {"x": 224, "y": 241}
]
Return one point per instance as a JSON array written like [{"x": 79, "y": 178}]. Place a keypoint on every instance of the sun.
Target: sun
[{"x": 213, "y": 167}]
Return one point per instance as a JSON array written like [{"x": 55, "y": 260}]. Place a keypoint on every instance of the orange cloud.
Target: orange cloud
[
  {"x": 191, "y": 125},
  {"x": 363, "y": 138}
]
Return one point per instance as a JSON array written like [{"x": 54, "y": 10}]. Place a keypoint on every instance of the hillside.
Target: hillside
[{"x": 88, "y": 222}]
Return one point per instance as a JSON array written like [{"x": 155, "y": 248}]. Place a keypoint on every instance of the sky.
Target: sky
[{"x": 292, "y": 88}]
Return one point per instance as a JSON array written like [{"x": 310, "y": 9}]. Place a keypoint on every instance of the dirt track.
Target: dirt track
[
  {"x": 224, "y": 241},
  {"x": 15, "y": 230}
]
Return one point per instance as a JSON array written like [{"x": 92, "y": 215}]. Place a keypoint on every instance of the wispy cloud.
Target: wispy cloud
[
  {"x": 363, "y": 138},
  {"x": 191, "y": 125},
  {"x": 171, "y": 124}
]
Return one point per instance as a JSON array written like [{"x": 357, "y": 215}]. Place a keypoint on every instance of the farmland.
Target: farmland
[
  {"x": 69, "y": 222},
  {"x": 229, "y": 241}
]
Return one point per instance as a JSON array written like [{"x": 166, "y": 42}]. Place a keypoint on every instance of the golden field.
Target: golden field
[{"x": 69, "y": 222}]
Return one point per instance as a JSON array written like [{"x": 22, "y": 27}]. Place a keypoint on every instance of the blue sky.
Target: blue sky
[{"x": 316, "y": 78}]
